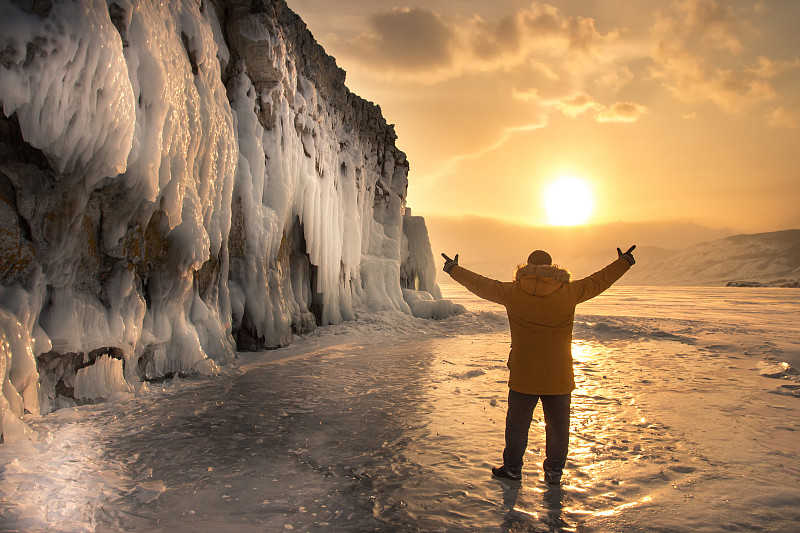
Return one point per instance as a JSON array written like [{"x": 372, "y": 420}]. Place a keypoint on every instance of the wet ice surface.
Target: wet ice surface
[{"x": 393, "y": 423}]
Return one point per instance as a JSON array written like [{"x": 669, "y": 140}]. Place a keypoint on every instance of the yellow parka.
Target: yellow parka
[{"x": 540, "y": 303}]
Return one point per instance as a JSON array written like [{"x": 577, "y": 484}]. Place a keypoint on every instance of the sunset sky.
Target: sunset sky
[{"x": 671, "y": 111}]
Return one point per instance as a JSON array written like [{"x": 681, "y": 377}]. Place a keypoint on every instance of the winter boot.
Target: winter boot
[
  {"x": 506, "y": 472},
  {"x": 552, "y": 471}
]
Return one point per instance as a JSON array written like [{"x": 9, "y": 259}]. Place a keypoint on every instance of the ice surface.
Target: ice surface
[{"x": 393, "y": 422}]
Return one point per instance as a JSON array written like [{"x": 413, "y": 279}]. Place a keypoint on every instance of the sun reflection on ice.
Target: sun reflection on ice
[
  {"x": 607, "y": 437},
  {"x": 583, "y": 351},
  {"x": 619, "y": 508}
]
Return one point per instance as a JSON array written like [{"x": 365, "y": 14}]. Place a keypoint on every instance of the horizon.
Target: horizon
[
  {"x": 669, "y": 113},
  {"x": 581, "y": 249},
  {"x": 584, "y": 249}
]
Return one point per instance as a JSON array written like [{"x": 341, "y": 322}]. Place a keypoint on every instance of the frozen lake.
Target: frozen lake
[{"x": 392, "y": 423}]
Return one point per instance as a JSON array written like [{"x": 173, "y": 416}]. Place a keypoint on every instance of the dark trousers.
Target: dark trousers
[{"x": 518, "y": 422}]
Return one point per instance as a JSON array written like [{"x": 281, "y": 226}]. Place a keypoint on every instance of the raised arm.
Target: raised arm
[
  {"x": 486, "y": 288},
  {"x": 601, "y": 280}
]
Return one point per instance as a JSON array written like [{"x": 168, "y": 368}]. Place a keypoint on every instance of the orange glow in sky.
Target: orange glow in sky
[{"x": 673, "y": 111}]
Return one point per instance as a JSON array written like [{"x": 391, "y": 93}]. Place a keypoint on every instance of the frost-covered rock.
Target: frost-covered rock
[
  {"x": 182, "y": 179},
  {"x": 18, "y": 378},
  {"x": 423, "y": 305},
  {"x": 418, "y": 270},
  {"x": 101, "y": 380}
]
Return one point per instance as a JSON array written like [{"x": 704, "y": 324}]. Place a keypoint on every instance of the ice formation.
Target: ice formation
[{"x": 179, "y": 180}]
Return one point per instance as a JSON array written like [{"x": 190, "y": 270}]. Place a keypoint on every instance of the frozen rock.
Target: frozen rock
[
  {"x": 101, "y": 380},
  {"x": 774, "y": 369},
  {"x": 179, "y": 180},
  {"x": 18, "y": 378},
  {"x": 418, "y": 270},
  {"x": 423, "y": 305}
]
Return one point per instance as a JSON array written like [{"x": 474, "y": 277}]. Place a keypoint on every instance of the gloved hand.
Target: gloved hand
[
  {"x": 449, "y": 263},
  {"x": 628, "y": 255}
]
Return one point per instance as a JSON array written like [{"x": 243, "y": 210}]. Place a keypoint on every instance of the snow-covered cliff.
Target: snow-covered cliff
[
  {"x": 179, "y": 180},
  {"x": 769, "y": 259}
]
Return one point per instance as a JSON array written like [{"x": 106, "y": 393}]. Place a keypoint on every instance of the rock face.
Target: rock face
[{"x": 179, "y": 180}]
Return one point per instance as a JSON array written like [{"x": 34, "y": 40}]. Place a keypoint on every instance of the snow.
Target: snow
[
  {"x": 393, "y": 422},
  {"x": 184, "y": 211}
]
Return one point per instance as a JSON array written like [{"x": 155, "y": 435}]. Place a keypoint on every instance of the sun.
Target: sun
[{"x": 568, "y": 201}]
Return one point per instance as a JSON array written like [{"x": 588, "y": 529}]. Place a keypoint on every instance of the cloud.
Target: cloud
[
  {"x": 529, "y": 95},
  {"x": 692, "y": 39},
  {"x": 617, "y": 112},
  {"x": 492, "y": 72},
  {"x": 733, "y": 91},
  {"x": 766, "y": 68},
  {"x": 418, "y": 44},
  {"x": 536, "y": 29},
  {"x": 466, "y": 85},
  {"x": 783, "y": 118},
  {"x": 582, "y": 33},
  {"x": 414, "y": 39},
  {"x": 614, "y": 78},
  {"x": 491, "y": 40},
  {"x": 699, "y": 51},
  {"x": 712, "y": 22},
  {"x": 543, "y": 68},
  {"x": 577, "y": 105},
  {"x": 621, "y": 112}
]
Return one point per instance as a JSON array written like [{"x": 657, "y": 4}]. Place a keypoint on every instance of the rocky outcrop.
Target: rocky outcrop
[
  {"x": 784, "y": 285},
  {"x": 750, "y": 260},
  {"x": 180, "y": 180}
]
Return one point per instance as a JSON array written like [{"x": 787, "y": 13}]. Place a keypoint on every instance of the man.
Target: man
[{"x": 540, "y": 303}]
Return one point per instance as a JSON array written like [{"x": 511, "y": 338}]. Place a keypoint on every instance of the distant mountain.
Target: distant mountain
[{"x": 759, "y": 259}]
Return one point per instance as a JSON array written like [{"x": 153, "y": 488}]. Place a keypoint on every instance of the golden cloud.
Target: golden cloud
[
  {"x": 415, "y": 39},
  {"x": 621, "y": 112},
  {"x": 577, "y": 105},
  {"x": 617, "y": 112},
  {"x": 696, "y": 49},
  {"x": 419, "y": 45},
  {"x": 692, "y": 38},
  {"x": 783, "y": 118}
]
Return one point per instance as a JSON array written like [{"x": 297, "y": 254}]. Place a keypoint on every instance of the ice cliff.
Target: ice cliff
[{"x": 179, "y": 180}]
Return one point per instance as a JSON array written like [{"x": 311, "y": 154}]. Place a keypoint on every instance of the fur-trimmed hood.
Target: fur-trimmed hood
[{"x": 541, "y": 280}]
